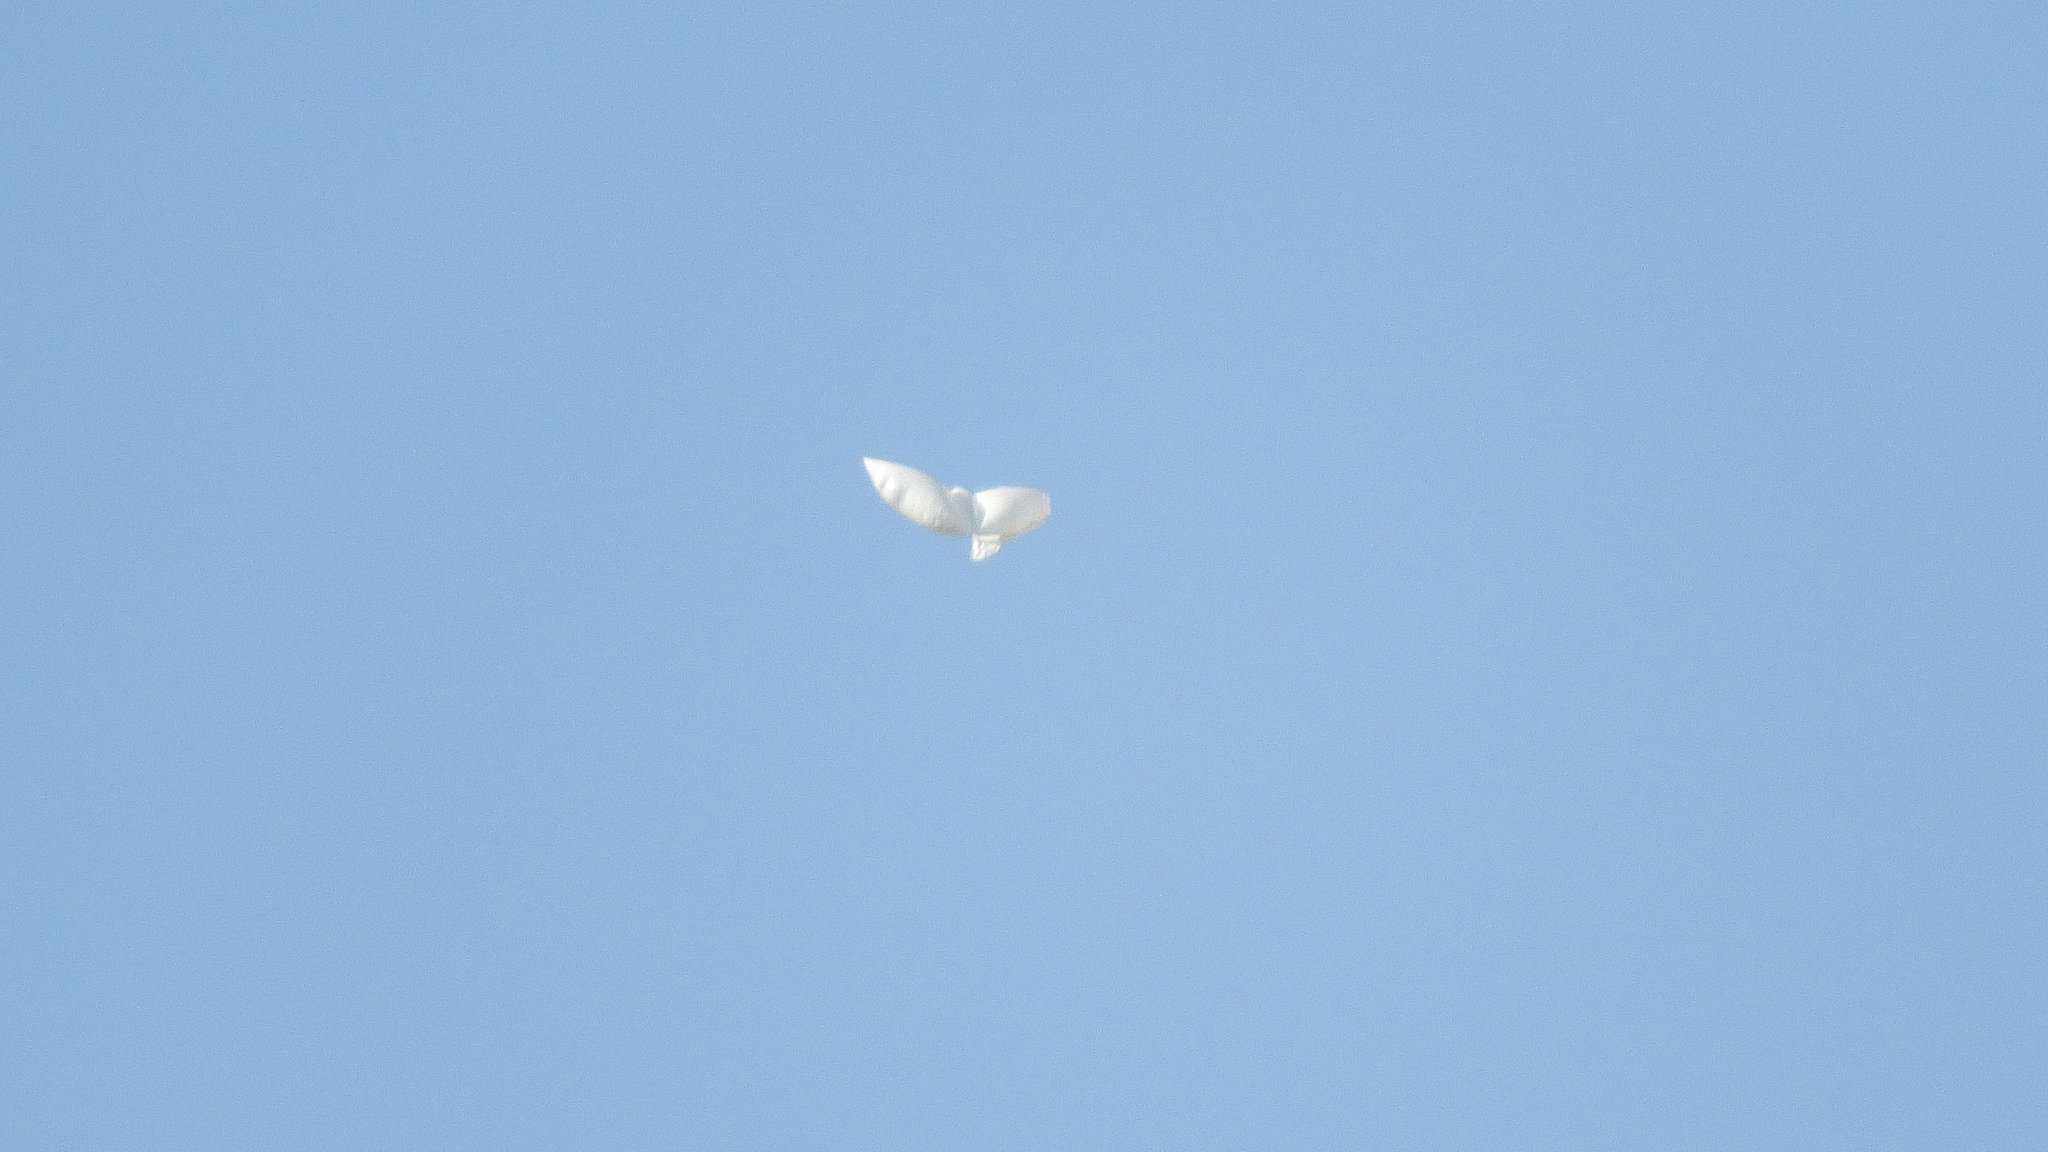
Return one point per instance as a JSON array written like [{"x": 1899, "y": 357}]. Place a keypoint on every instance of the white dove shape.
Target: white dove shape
[{"x": 991, "y": 516}]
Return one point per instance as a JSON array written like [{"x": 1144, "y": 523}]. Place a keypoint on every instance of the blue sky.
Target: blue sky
[{"x": 1540, "y": 642}]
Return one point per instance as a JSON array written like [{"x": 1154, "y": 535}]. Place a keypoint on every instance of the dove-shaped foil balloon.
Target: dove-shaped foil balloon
[{"x": 991, "y": 516}]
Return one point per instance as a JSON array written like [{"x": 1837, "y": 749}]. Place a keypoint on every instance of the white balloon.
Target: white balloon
[{"x": 991, "y": 516}]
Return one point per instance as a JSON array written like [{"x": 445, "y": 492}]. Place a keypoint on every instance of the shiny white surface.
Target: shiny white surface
[{"x": 991, "y": 516}]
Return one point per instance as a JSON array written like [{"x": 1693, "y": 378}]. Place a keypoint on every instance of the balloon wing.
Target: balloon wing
[
  {"x": 1009, "y": 512},
  {"x": 921, "y": 499}
]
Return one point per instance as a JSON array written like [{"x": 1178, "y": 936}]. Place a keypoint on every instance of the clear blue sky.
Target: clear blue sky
[{"x": 1540, "y": 644}]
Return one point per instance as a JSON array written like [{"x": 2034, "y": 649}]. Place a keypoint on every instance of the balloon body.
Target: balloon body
[{"x": 991, "y": 516}]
